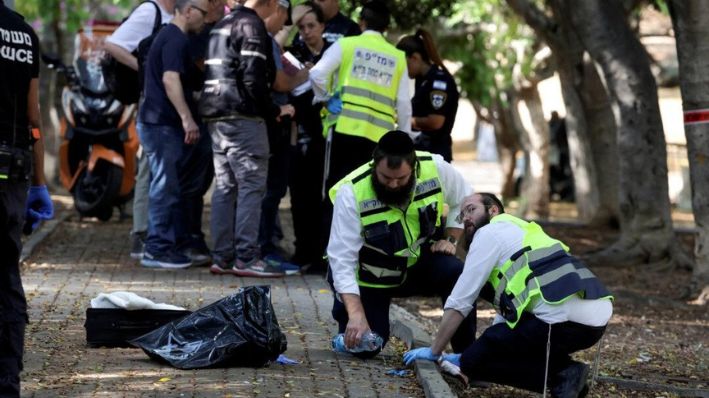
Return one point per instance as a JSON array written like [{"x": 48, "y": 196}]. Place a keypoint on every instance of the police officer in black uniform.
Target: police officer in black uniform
[
  {"x": 435, "y": 101},
  {"x": 19, "y": 128}
]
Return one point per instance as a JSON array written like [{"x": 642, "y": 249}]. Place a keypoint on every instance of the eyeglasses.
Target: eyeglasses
[
  {"x": 204, "y": 12},
  {"x": 467, "y": 211}
]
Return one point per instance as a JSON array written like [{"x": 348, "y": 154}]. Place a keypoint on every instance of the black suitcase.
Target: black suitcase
[{"x": 113, "y": 327}]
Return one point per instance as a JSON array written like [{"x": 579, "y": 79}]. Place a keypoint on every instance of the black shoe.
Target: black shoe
[
  {"x": 570, "y": 382},
  {"x": 198, "y": 257}
]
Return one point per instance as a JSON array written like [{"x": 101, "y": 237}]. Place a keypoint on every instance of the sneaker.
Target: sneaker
[
  {"x": 198, "y": 258},
  {"x": 256, "y": 267},
  {"x": 279, "y": 262},
  {"x": 221, "y": 267},
  {"x": 167, "y": 260},
  {"x": 137, "y": 244}
]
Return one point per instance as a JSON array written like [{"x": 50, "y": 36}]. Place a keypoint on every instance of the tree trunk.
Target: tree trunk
[
  {"x": 646, "y": 226},
  {"x": 689, "y": 19},
  {"x": 507, "y": 147},
  {"x": 536, "y": 144},
  {"x": 568, "y": 53},
  {"x": 602, "y": 137}
]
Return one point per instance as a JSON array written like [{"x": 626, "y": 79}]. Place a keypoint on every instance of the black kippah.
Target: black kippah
[{"x": 396, "y": 142}]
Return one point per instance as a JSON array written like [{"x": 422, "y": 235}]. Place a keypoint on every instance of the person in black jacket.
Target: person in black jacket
[{"x": 235, "y": 104}]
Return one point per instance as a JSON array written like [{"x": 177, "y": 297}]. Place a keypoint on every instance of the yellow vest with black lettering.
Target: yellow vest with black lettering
[
  {"x": 542, "y": 268},
  {"x": 368, "y": 83},
  {"x": 393, "y": 236}
]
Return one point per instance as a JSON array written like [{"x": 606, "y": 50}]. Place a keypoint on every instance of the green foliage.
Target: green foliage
[
  {"x": 70, "y": 15},
  {"x": 488, "y": 41},
  {"x": 407, "y": 14}
]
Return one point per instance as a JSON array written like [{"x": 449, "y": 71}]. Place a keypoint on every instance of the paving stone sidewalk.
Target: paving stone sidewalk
[{"x": 83, "y": 258}]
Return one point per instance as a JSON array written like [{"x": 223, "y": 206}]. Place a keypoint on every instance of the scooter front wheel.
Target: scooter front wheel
[{"x": 95, "y": 191}]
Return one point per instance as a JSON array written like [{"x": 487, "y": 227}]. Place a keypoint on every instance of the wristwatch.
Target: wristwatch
[{"x": 452, "y": 240}]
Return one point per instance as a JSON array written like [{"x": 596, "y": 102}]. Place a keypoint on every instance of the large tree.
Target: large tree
[
  {"x": 589, "y": 120},
  {"x": 689, "y": 19},
  {"x": 647, "y": 235},
  {"x": 499, "y": 75}
]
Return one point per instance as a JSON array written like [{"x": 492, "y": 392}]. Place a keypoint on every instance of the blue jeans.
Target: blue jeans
[{"x": 163, "y": 145}]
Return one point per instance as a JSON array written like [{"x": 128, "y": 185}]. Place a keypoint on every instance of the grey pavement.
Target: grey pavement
[{"x": 81, "y": 258}]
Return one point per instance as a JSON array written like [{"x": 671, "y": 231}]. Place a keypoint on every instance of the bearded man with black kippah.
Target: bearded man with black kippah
[{"x": 387, "y": 214}]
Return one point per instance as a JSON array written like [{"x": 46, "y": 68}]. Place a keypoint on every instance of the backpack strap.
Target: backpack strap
[{"x": 158, "y": 16}]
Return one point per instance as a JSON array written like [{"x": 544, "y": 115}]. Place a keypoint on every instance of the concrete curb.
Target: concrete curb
[
  {"x": 38, "y": 236},
  {"x": 410, "y": 331}
]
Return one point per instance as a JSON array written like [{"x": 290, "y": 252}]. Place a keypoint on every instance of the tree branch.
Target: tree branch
[{"x": 536, "y": 19}]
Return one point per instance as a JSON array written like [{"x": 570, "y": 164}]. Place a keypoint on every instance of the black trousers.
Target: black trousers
[
  {"x": 305, "y": 184},
  {"x": 347, "y": 152},
  {"x": 196, "y": 175},
  {"x": 13, "y": 306},
  {"x": 432, "y": 275},
  {"x": 516, "y": 357}
]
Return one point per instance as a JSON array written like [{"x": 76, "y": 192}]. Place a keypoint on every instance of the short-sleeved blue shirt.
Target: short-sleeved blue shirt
[{"x": 168, "y": 52}]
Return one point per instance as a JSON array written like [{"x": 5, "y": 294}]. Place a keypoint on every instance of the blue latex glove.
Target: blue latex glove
[
  {"x": 452, "y": 358},
  {"x": 419, "y": 353},
  {"x": 334, "y": 104},
  {"x": 39, "y": 206}
]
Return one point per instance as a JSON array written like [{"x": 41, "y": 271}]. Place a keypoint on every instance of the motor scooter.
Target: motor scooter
[{"x": 97, "y": 155}]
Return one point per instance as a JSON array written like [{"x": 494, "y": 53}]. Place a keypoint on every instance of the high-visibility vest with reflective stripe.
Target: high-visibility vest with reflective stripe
[
  {"x": 368, "y": 83},
  {"x": 393, "y": 236},
  {"x": 542, "y": 268}
]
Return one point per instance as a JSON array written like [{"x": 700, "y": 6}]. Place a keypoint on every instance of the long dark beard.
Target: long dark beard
[
  {"x": 477, "y": 226},
  {"x": 399, "y": 197}
]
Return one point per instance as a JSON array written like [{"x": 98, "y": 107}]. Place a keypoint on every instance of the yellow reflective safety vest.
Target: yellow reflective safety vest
[
  {"x": 542, "y": 268},
  {"x": 368, "y": 83},
  {"x": 393, "y": 236}
]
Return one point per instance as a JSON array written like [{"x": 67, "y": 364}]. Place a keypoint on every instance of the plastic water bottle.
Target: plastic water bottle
[{"x": 370, "y": 341}]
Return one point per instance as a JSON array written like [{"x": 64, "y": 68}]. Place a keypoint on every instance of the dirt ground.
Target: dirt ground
[{"x": 656, "y": 342}]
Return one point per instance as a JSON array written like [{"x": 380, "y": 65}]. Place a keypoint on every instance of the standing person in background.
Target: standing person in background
[
  {"x": 235, "y": 103},
  {"x": 197, "y": 168},
  {"x": 121, "y": 45},
  {"x": 370, "y": 97},
  {"x": 337, "y": 25},
  {"x": 308, "y": 151},
  {"x": 19, "y": 112},
  {"x": 279, "y": 132},
  {"x": 435, "y": 101},
  {"x": 165, "y": 125}
]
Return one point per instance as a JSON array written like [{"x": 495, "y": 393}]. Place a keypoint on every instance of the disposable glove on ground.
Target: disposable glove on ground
[
  {"x": 419, "y": 353},
  {"x": 334, "y": 104},
  {"x": 39, "y": 206}
]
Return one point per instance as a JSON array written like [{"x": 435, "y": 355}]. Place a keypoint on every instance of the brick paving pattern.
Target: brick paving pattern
[{"x": 82, "y": 258}]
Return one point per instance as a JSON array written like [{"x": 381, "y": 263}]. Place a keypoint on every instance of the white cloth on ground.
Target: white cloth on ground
[{"x": 128, "y": 301}]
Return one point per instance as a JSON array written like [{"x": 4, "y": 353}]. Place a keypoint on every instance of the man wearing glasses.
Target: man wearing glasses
[
  {"x": 386, "y": 213},
  {"x": 165, "y": 123},
  {"x": 549, "y": 305}
]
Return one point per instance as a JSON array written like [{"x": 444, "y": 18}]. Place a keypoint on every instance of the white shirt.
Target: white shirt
[
  {"x": 138, "y": 26},
  {"x": 327, "y": 69},
  {"x": 346, "y": 231},
  {"x": 494, "y": 244}
]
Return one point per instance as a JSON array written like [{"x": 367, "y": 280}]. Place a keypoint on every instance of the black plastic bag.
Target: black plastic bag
[{"x": 239, "y": 330}]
